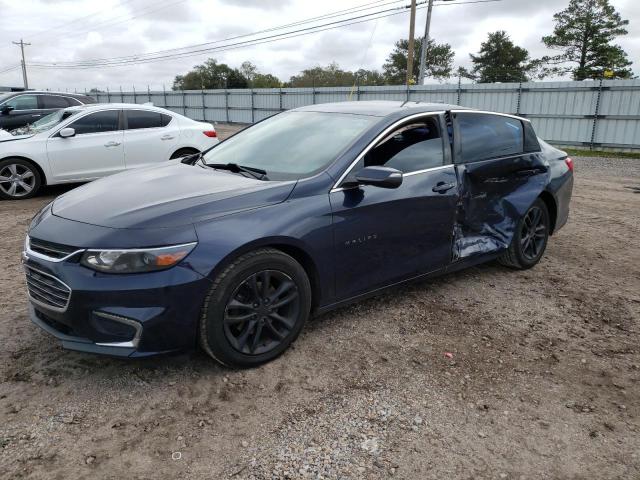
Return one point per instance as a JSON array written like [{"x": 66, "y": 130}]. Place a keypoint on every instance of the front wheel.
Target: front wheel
[
  {"x": 256, "y": 308},
  {"x": 19, "y": 179},
  {"x": 530, "y": 239}
]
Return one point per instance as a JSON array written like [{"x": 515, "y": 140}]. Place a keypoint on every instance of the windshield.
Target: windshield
[
  {"x": 291, "y": 145},
  {"x": 3, "y": 97},
  {"x": 47, "y": 122}
]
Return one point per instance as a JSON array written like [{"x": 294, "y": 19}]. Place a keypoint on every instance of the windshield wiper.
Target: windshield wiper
[{"x": 234, "y": 167}]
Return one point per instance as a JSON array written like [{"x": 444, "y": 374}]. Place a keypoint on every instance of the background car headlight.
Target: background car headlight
[{"x": 136, "y": 260}]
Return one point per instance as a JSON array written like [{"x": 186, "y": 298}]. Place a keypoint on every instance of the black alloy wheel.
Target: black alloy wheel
[
  {"x": 533, "y": 234},
  {"x": 261, "y": 312},
  {"x": 530, "y": 239},
  {"x": 255, "y": 309}
]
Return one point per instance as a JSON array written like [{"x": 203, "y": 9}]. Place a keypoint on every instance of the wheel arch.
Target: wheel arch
[
  {"x": 183, "y": 148},
  {"x": 290, "y": 246},
  {"x": 43, "y": 176},
  {"x": 552, "y": 207}
]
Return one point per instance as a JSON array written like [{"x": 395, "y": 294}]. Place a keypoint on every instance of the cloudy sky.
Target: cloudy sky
[{"x": 76, "y": 30}]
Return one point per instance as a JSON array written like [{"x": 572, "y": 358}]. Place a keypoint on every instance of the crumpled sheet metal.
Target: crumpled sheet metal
[{"x": 493, "y": 197}]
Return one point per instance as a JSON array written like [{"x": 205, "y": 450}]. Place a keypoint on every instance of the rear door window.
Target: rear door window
[
  {"x": 53, "y": 101},
  {"x": 484, "y": 136},
  {"x": 137, "y": 119},
  {"x": 98, "y": 122}
]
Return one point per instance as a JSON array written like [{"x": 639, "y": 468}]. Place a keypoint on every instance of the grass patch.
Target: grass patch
[{"x": 575, "y": 152}]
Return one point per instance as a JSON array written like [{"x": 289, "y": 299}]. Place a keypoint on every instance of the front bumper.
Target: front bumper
[{"x": 130, "y": 315}]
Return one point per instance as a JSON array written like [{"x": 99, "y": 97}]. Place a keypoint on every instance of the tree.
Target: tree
[
  {"x": 330, "y": 76},
  {"x": 439, "y": 62},
  {"x": 369, "y": 77},
  {"x": 210, "y": 74},
  {"x": 500, "y": 60},
  {"x": 262, "y": 80},
  {"x": 584, "y": 31}
]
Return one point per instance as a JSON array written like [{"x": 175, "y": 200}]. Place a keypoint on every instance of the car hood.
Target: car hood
[
  {"x": 7, "y": 137},
  {"x": 167, "y": 195}
]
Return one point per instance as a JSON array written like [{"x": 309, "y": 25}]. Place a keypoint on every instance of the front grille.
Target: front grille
[
  {"x": 50, "y": 249},
  {"x": 47, "y": 290}
]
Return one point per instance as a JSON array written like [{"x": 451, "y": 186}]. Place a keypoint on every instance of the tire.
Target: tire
[
  {"x": 183, "y": 152},
  {"x": 241, "y": 326},
  {"x": 526, "y": 251},
  {"x": 19, "y": 179}
]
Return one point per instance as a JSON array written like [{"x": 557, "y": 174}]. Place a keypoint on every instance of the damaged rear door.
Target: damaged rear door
[{"x": 500, "y": 173}]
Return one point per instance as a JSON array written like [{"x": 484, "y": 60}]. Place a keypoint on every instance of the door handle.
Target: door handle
[
  {"x": 442, "y": 187},
  {"x": 167, "y": 137},
  {"x": 111, "y": 144}
]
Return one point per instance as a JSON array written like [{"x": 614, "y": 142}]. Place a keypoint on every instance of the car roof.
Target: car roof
[
  {"x": 102, "y": 106},
  {"x": 44, "y": 92},
  {"x": 378, "y": 108}
]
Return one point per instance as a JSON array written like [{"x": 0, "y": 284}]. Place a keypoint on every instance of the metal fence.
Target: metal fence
[{"x": 604, "y": 114}]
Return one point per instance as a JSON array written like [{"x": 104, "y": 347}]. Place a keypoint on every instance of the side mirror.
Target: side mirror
[
  {"x": 67, "y": 132},
  {"x": 383, "y": 177},
  {"x": 6, "y": 109}
]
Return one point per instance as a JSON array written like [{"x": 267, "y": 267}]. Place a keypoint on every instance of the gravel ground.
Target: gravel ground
[{"x": 542, "y": 380}]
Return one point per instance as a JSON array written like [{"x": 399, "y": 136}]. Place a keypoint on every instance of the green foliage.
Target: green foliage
[
  {"x": 500, "y": 60},
  {"x": 210, "y": 74},
  {"x": 439, "y": 62},
  {"x": 333, "y": 76},
  {"x": 584, "y": 31}
]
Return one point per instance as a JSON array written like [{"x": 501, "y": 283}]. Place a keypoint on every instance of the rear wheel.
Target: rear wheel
[
  {"x": 256, "y": 308},
  {"x": 19, "y": 179},
  {"x": 183, "y": 152},
  {"x": 530, "y": 239}
]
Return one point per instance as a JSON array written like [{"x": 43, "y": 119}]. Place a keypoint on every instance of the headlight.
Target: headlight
[{"x": 137, "y": 260}]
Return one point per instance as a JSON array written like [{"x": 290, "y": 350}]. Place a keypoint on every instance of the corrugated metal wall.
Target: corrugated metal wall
[{"x": 595, "y": 114}]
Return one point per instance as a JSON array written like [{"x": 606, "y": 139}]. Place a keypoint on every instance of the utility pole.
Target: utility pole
[
  {"x": 412, "y": 31},
  {"x": 24, "y": 65},
  {"x": 425, "y": 44}
]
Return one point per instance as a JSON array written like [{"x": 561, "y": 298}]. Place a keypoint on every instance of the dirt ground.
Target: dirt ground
[{"x": 543, "y": 381}]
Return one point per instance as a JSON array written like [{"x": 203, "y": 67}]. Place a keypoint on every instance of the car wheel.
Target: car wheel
[
  {"x": 530, "y": 239},
  {"x": 183, "y": 152},
  {"x": 255, "y": 309},
  {"x": 19, "y": 179}
]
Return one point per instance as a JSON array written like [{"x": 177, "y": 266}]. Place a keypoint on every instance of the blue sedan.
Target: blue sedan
[{"x": 234, "y": 248}]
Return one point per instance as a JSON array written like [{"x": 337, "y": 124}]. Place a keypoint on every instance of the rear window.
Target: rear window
[
  {"x": 137, "y": 119},
  {"x": 531, "y": 143},
  {"x": 484, "y": 136}
]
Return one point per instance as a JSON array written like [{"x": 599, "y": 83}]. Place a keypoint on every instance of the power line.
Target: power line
[
  {"x": 142, "y": 56},
  {"x": 105, "y": 63},
  {"x": 110, "y": 22},
  {"x": 57, "y": 28},
  {"x": 109, "y": 62},
  {"x": 7, "y": 70}
]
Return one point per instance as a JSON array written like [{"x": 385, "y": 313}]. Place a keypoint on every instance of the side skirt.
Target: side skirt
[{"x": 453, "y": 267}]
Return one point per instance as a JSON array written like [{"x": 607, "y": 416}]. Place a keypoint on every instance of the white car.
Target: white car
[{"x": 83, "y": 143}]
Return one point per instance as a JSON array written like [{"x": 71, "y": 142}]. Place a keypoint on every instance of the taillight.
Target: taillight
[
  {"x": 210, "y": 133},
  {"x": 569, "y": 163}
]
